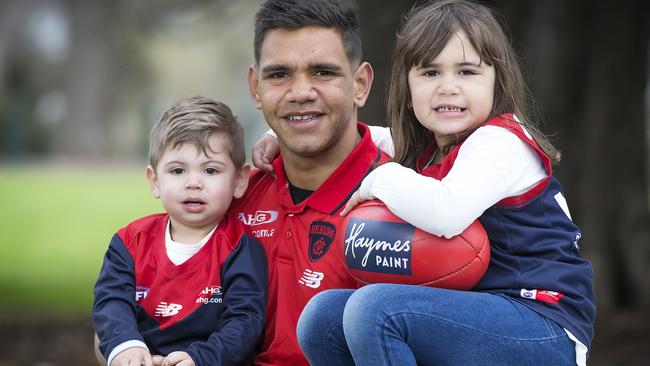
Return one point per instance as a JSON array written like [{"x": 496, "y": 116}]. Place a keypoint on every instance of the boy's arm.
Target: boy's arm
[
  {"x": 113, "y": 310},
  {"x": 244, "y": 278}
]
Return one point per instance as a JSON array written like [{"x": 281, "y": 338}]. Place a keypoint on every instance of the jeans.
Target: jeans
[{"x": 386, "y": 324}]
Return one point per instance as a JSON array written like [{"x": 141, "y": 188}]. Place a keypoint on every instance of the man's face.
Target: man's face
[{"x": 308, "y": 91}]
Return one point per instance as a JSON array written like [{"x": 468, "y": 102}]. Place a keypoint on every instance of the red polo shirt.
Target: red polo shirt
[{"x": 299, "y": 243}]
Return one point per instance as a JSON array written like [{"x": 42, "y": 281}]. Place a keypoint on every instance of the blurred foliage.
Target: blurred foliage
[{"x": 55, "y": 226}]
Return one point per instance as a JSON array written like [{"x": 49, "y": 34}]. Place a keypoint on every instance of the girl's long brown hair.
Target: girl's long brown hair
[{"x": 424, "y": 33}]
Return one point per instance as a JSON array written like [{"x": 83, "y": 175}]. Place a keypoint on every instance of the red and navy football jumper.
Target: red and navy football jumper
[
  {"x": 212, "y": 306},
  {"x": 299, "y": 243},
  {"x": 535, "y": 257}
]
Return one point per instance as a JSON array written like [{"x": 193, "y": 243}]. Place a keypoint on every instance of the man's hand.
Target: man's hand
[
  {"x": 264, "y": 151},
  {"x": 132, "y": 356}
]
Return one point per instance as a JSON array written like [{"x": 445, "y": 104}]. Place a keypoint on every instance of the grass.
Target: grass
[{"x": 55, "y": 225}]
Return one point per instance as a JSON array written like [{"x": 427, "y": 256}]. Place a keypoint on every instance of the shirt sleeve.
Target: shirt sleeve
[
  {"x": 245, "y": 280},
  {"x": 492, "y": 164},
  {"x": 113, "y": 313},
  {"x": 383, "y": 139}
]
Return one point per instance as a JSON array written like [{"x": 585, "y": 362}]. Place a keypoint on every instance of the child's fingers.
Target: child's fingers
[
  {"x": 187, "y": 362},
  {"x": 157, "y": 360},
  {"x": 354, "y": 200},
  {"x": 175, "y": 358}
]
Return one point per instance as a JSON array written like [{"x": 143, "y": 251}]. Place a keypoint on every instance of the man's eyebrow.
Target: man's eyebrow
[
  {"x": 274, "y": 68},
  {"x": 325, "y": 66}
]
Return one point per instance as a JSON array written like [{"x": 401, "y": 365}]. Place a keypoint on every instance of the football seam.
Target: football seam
[{"x": 476, "y": 258}]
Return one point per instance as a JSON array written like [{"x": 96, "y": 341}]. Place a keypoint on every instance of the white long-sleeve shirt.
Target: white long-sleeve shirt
[{"x": 492, "y": 164}]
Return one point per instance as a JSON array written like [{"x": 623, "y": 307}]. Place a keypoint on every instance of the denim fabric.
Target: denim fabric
[{"x": 385, "y": 324}]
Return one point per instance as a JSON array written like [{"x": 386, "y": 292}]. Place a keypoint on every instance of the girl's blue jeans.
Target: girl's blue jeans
[{"x": 386, "y": 324}]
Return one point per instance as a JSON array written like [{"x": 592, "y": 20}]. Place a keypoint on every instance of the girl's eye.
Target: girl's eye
[
  {"x": 430, "y": 73},
  {"x": 177, "y": 171},
  {"x": 211, "y": 171},
  {"x": 467, "y": 72}
]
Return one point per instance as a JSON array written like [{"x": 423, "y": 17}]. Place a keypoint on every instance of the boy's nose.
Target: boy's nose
[{"x": 193, "y": 183}]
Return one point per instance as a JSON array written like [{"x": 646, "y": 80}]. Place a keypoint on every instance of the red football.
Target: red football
[{"x": 380, "y": 247}]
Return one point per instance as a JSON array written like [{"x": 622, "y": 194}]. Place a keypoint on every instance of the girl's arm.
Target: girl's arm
[{"x": 492, "y": 164}]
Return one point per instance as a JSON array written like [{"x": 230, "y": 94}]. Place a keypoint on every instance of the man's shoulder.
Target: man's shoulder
[{"x": 259, "y": 184}]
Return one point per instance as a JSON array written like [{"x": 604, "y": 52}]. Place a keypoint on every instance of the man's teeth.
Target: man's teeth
[
  {"x": 302, "y": 118},
  {"x": 449, "y": 109}
]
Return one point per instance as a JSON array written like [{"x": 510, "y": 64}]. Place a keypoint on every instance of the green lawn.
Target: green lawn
[{"x": 55, "y": 225}]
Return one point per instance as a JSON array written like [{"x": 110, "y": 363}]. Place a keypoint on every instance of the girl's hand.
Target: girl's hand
[
  {"x": 264, "y": 151},
  {"x": 132, "y": 356},
  {"x": 178, "y": 358},
  {"x": 354, "y": 200}
]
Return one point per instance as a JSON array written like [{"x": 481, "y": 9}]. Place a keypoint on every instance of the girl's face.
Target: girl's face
[{"x": 454, "y": 94}]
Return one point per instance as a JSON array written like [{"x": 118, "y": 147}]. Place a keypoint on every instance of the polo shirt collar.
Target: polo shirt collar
[{"x": 338, "y": 187}]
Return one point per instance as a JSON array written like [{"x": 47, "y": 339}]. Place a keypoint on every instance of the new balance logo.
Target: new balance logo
[
  {"x": 164, "y": 309},
  {"x": 311, "y": 278}
]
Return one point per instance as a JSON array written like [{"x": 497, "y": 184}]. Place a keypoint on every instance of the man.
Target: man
[{"x": 308, "y": 80}]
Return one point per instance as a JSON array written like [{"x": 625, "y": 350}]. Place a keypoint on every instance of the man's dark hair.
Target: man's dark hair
[{"x": 340, "y": 15}]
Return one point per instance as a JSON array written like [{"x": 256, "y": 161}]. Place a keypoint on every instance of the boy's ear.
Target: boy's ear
[
  {"x": 253, "y": 86},
  {"x": 153, "y": 181},
  {"x": 241, "y": 181},
  {"x": 363, "y": 77}
]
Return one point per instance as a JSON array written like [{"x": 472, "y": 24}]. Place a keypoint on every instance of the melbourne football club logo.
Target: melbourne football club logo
[
  {"x": 379, "y": 246},
  {"x": 321, "y": 236}
]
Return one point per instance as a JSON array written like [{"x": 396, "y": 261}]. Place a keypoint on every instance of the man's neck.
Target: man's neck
[{"x": 310, "y": 172}]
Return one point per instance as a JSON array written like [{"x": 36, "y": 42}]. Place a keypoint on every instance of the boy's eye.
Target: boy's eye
[
  {"x": 211, "y": 171},
  {"x": 177, "y": 171}
]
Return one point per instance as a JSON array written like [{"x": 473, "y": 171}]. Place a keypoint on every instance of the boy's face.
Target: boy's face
[
  {"x": 196, "y": 187},
  {"x": 308, "y": 91}
]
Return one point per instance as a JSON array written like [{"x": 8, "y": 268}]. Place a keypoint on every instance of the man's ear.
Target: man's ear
[
  {"x": 363, "y": 77},
  {"x": 253, "y": 86},
  {"x": 153, "y": 181},
  {"x": 241, "y": 181}
]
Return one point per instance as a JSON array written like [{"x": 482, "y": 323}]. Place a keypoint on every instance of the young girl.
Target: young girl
[{"x": 457, "y": 108}]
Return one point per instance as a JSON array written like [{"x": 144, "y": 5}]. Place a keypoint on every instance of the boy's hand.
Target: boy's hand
[
  {"x": 264, "y": 151},
  {"x": 132, "y": 356},
  {"x": 178, "y": 358}
]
